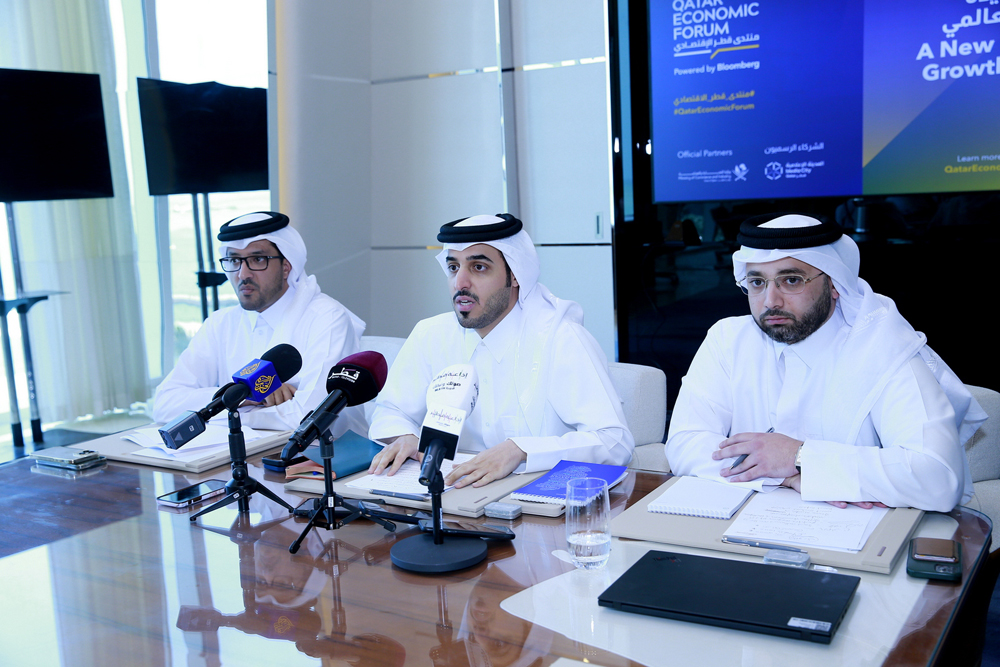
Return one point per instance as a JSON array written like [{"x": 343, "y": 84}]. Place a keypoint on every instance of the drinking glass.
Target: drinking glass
[{"x": 588, "y": 515}]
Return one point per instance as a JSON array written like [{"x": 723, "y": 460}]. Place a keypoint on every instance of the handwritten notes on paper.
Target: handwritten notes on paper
[{"x": 782, "y": 516}]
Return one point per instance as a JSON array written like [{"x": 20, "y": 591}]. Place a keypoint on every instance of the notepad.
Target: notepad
[
  {"x": 694, "y": 496},
  {"x": 551, "y": 487}
]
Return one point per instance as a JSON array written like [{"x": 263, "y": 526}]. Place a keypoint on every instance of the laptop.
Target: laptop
[{"x": 769, "y": 599}]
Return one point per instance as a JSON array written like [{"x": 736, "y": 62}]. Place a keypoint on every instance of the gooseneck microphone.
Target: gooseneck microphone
[
  {"x": 352, "y": 381},
  {"x": 277, "y": 365},
  {"x": 451, "y": 396}
]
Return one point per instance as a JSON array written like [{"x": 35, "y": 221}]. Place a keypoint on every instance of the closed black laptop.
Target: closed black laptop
[{"x": 770, "y": 599}]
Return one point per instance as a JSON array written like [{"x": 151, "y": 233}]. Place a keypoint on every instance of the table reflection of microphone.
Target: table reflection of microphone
[
  {"x": 299, "y": 616},
  {"x": 261, "y": 377},
  {"x": 352, "y": 381},
  {"x": 451, "y": 396}
]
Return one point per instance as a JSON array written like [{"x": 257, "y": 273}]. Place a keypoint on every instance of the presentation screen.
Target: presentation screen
[
  {"x": 52, "y": 136},
  {"x": 203, "y": 137},
  {"x": 772, "y": 98}
]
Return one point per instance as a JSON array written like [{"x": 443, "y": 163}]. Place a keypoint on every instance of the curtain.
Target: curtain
[{"x": 87, "y": 344}]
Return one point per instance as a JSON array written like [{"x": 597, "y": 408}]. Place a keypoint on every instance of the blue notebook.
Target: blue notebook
[
  {"x": 551, "y": 487},
  {"x": 351, "y": 453}
]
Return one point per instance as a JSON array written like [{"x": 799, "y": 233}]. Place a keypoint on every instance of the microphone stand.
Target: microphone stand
[
  {"x": 242, "y": 485},
  {"x": 324, "y": 511},
  {"x": 429, "y": 552}
]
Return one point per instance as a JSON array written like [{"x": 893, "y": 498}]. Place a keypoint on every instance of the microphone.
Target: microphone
[
  {"x": 353, "y": 380},
  {"x": 451, "y": 396},
  {"x": 189, "y": 424},
  {"x": 262, "y": 377}
]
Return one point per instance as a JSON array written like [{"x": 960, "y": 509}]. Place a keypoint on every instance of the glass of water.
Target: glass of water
[{"x": 588, "y": 516}]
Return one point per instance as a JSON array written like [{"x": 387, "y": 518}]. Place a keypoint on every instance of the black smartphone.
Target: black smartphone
[
  {"x": 195, "y": 493},
  {"x": 932, "y": 558},
  {"x": 469, "y": 528}
]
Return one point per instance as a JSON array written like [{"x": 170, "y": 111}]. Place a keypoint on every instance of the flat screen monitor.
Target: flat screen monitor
[
  {"x": 53, "y": 140},
  {"x": 769, "y": 99},
  {"x": 203, "y": 137}
]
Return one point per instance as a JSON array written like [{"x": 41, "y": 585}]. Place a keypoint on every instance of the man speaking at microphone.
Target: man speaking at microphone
[
  {"x": 265, "y": 261},
  {"x": 544, "y": 390}
]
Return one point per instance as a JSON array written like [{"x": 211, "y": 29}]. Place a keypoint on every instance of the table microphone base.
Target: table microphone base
[{"x": 420, "y": 554}]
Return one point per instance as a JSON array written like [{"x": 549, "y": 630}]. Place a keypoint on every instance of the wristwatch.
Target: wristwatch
[{"x": 798, "y": 458}]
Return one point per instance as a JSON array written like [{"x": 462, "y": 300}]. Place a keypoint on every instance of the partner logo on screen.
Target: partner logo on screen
[
  {"x": 741, "y": 172},
  {"x": 773, "y": 171}
]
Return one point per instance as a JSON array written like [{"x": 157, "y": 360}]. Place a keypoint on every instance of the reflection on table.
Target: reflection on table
[{"x": 96, "y": 574}]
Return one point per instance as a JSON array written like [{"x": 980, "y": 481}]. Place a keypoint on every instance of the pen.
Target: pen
[
  {"x": 743, "y": 457},
  {"x": 404, "y": 496},
  {"x": 760, "y": 545}
]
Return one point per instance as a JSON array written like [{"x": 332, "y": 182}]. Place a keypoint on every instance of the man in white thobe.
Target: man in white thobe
[
  {"x": 265, "y": 259},
  {"x": 544, "y": 390},
  {"x": 825, "y": 387}
]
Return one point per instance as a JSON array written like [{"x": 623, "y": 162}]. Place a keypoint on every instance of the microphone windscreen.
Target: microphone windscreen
[
  {"x": 360, "y": 377},
  {"x": 234, "y": 395},
  {"x": 456, "y": 386},
  {"x": 286, "y": 360}
]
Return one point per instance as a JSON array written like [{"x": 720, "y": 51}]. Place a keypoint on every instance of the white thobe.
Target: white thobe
[
  {"x": 582, "y": 419},
  {"x": 325, "y": 333},
  {"x": 906, "y": 452}
]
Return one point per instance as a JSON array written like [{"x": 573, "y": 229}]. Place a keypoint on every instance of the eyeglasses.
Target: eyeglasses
[
  {"x": 254, "y": 262},
  {"x": 787, "y": 284}
]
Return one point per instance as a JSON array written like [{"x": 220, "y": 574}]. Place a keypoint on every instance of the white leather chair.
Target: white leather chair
[
  {"x": 983, "y": 450},
  {"x": 388, "y": 347},
  {"x": 643, "y": 391}
]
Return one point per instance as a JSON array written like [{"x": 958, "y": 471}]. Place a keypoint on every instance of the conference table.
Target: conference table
[{"x": 94, "y": 572}]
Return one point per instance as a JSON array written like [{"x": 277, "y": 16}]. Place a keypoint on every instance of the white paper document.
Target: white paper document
[
  {"x": 784, "y": 517},
  {"x": 406, "y": 479},
  {"x": 214, "y": 439}
]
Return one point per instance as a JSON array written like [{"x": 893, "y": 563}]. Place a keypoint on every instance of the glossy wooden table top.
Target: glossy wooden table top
[{"x": 95, "y": 573}]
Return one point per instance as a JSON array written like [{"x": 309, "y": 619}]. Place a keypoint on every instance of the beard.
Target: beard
[
  {"x": 264, "y": 297},
  {"x": 799, "y": 329},
  {"x": 494, "y": 308}
]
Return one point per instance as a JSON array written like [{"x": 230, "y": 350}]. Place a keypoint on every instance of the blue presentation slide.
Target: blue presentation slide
[{"x": 755, "y": 99}]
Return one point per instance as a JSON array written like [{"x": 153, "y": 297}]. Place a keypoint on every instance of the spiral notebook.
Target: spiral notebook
[
  {"x": 551, "y": 487},
  {"x": 694, "y": 496}
]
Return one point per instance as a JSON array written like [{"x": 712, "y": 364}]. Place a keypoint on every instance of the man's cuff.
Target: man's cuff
[{"x": 829, "y": 472}]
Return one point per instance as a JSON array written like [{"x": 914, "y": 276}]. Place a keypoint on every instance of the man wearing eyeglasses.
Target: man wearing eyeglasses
[
  {"x": 265, "y": 260},
  {"x": 824, "y": 387}
]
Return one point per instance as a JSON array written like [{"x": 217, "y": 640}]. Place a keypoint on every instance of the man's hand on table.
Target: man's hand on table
[
  {"x": 494, "y": 463},
  {"x": 795, "y": 482},
  {"x": 769, "y": 455},
  {"x": 394, "y": 455}
]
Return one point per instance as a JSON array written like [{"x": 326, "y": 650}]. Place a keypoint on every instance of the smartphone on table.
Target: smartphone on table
[
  {"x": 933, "y": 558},
  {"x": 193, "y": 494}
]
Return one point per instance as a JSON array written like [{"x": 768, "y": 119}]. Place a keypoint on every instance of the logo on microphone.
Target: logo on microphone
[
  {"x": 344, "y": 374},
  {"x": 249, "y": 368},
  {"x": 447, "y": 417},
  {"x": 263, "y": 383}
]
